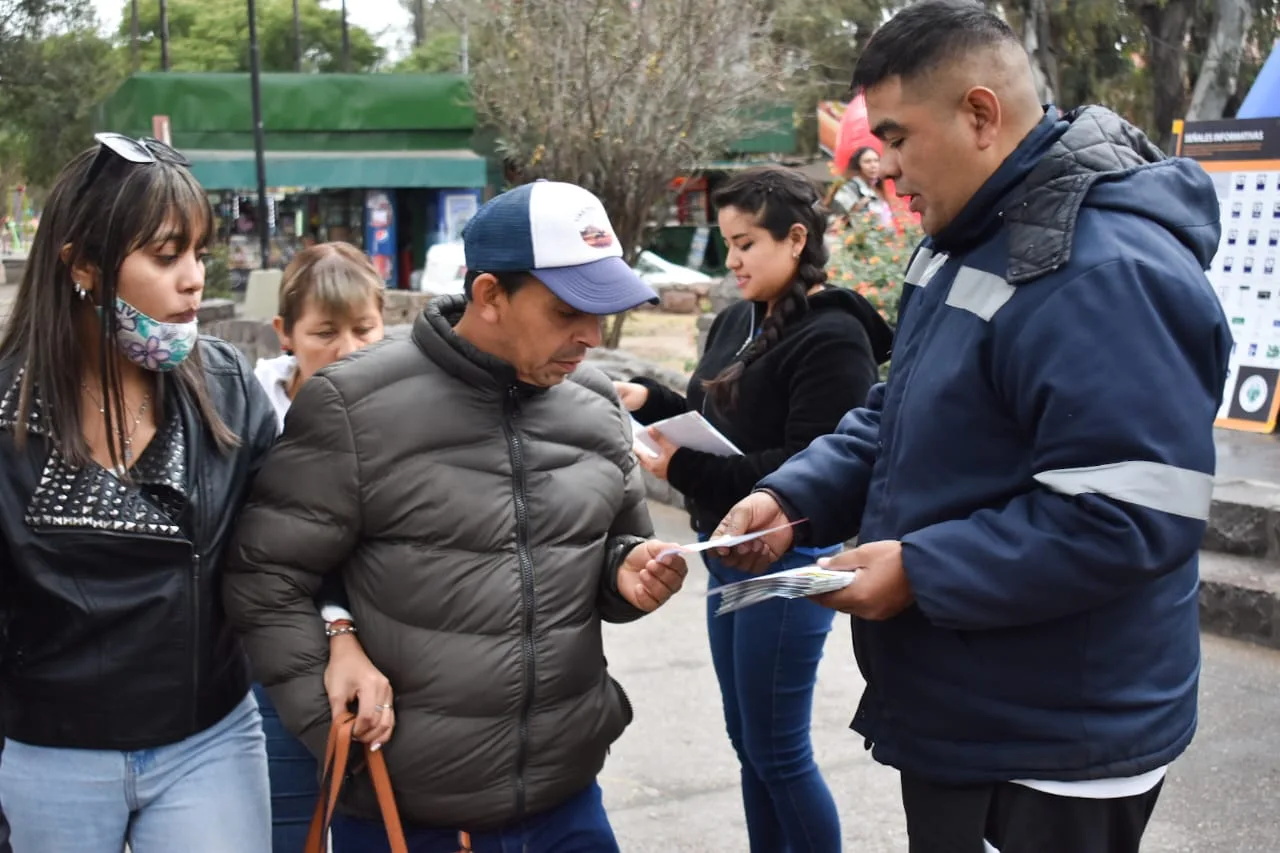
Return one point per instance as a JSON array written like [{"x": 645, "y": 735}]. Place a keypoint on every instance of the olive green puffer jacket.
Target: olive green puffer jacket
[{"x": 478, "y": 524}]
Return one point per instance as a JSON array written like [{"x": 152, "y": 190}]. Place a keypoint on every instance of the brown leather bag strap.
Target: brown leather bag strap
[
  {"x": 386, "y": 801},
  {"x": 337, "y": 752},
  {"x": 337, "y": 755}
]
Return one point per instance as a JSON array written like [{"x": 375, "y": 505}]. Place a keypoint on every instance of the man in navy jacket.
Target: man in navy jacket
[{"x": 1031, "y": 486}]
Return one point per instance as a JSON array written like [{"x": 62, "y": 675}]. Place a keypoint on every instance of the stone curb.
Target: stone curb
[
  {"x": 1240, "y": 598},
  {"x": 1245, "y": 519}
]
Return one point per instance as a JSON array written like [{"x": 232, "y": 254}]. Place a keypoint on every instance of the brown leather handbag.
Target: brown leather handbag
[{"x": 337, "y": 754}]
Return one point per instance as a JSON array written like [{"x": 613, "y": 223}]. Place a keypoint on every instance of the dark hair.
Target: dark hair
[
  {"x": 508, "y": 281},
  {"x": 779, "y": 198},
  {"x": 123, "y": 208},
  {"x": 926, "y": 35},
  {"x": 855, "y": 162}
]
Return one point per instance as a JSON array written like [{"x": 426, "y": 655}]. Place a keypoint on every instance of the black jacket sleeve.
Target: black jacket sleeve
[
  {"x": 832, "y": 374},
  {"x": 664, "y": 403}
]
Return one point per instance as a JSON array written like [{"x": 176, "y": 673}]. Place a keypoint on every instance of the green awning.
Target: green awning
[{"x": 236, "y": 170}]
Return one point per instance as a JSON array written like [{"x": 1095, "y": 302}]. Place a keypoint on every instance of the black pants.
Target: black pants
[{"x": 1018, "y": 819}]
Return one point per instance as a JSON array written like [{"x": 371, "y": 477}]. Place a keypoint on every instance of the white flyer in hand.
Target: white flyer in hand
[
  {"x": 726, "y": 541},
  {"x": 640, "y": 441},
  {"x": 792, "y": 583},
  {"x": 689, "y": 430}
]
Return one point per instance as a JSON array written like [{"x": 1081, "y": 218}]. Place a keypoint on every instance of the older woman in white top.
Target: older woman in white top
[{"x": 331, "y": 303}]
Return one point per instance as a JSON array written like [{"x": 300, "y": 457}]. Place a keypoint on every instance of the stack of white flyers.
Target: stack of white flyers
[
  {"x": 792, "y": 583},
  {"x": 689, "y": 430}
]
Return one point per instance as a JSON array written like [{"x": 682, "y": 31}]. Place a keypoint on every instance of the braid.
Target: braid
[{"x": 788, "y": 198}]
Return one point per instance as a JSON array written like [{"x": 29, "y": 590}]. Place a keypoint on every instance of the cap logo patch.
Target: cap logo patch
[{"x": 596, "y": 237}]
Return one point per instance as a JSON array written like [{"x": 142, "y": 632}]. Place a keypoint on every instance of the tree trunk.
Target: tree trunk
[
  {"x": 346, "y": 41},
  {"x": 1037, "y": 38},
  {"x": 612, "y": 338},
  {"x": 630, "y": 221},
  {"x": 297, "y": 37},
  {"x": 134, "y": 36},
  {"x": 419, "y": 22},
  {"x": 164, "y": 35},
  {"x": 1219, "y": 72},
  {"x": 1166, "y": 25}
]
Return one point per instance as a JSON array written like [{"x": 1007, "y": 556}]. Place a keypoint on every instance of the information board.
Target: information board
[{"x": 1243, "y": 158}]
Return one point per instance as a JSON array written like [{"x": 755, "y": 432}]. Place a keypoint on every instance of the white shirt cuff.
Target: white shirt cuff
[{"x": 334, "y": 613}]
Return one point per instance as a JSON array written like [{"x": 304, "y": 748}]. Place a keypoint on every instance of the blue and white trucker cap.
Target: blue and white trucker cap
[{"x": 560, "y": 233}]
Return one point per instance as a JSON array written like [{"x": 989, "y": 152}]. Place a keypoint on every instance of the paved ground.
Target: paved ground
[
  {"x": 1248, "y": 456},
  {"x": 671, "y": 782}
]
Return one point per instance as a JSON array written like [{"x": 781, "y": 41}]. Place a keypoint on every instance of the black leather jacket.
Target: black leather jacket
[{"x": 116, "y": 637}]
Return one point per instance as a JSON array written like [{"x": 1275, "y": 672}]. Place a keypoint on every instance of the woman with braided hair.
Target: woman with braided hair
[{"x": 781, "y": 368}]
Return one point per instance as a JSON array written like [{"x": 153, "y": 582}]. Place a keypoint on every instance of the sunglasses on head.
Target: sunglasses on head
[{"x": 145, "y": 150}]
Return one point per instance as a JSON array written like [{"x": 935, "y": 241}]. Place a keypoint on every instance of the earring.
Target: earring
[{"x": 80, "y": 291}]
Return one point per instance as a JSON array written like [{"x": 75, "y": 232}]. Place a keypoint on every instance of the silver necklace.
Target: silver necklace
[{"x": 126, "y": 437}]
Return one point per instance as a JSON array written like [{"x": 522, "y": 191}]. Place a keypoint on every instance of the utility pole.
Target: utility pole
[
  {"x": 259, "y": 143},
  {"x": 297, "y": 36},
  {"x": 164, "y": 35},
  {"x": 346, "y": 41},
  {"x": 134, "y": 35}
]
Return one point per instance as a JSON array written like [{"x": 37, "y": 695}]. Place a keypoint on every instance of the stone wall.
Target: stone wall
[
  {"x": 723, "y": 294},
  {"x": 11, "y": 270},
  {"x": 401, "y": 307},
  {"x": 255, "y": 338}
]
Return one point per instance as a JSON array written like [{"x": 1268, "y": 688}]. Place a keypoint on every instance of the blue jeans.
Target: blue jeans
[
  {"x": 766, "y": 660},
  {"x": 205, "y": 794},
  {"x": 578, "y": 825},
  {"x": 295, "y": 785}
]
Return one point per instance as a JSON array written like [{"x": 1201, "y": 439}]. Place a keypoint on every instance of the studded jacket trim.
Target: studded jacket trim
[{"x": 92, "y": 498}]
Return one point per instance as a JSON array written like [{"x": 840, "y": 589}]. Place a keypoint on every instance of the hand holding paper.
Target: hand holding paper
[
  {"x": 651, "y": 574},
  {"x": 689, "y": 430},
  {"x": 656, "y": 463},
  {"x": 727, "y": 541},
  {"x": 882, "y": 590},
  {"x": 759, "y": 511}
]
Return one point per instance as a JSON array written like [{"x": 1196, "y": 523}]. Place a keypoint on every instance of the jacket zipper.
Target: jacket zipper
[
  {"x": 751, "y": 336},
  {"x": 196, "y": 625},
  {"x": 526, "y": 588},
  {"x": 893, "y": 434}
]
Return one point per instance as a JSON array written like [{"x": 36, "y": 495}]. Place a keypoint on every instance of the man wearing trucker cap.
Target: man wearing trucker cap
[{"x": 475, "y": 487}]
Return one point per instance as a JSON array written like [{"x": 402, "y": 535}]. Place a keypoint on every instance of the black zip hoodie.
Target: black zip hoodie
[{"x": 823, "y": 365}]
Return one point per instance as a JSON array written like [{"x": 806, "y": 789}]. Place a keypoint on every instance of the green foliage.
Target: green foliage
[
  {"x": 47, "y": 106},
  {"x": 871, "y": 260},
  {"x": 213, "y": 35},
  {"x": 821, "y": 40},
  {"x": 217, "y": 273},
  {"x": 439, "y": 54}
]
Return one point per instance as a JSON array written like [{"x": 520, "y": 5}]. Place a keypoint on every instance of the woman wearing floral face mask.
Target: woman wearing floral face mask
[{"x": 127, "y": 443}]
